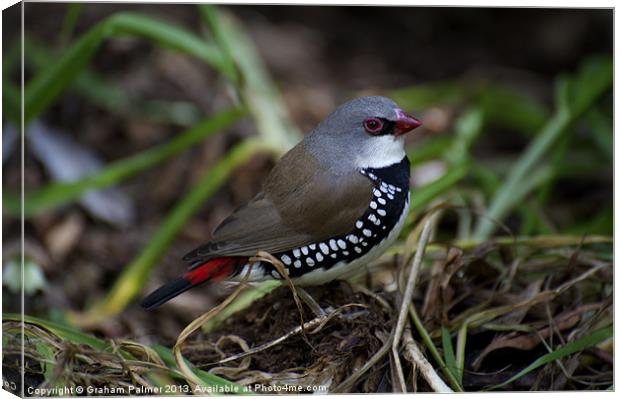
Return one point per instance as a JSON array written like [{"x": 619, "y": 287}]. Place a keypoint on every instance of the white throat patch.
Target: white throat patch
[{"x": 384, "y": 151}]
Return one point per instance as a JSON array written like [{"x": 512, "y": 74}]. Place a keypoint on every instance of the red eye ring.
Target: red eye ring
[{"x": 373, "y": 125}]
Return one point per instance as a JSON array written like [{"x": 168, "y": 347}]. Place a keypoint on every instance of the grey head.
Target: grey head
[{"x": 364, "y": 132}]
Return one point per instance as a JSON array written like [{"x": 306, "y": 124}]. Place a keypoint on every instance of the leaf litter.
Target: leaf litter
[
  {"x": 506, "y": 304},
  {"x": 506, "y": 307}
]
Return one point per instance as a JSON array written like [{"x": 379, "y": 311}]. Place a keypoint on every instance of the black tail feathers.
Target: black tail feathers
[{"x": 165, "y": 293}]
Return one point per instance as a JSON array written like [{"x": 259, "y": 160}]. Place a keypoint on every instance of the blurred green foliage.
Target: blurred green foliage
[
  {"x": 505, "y": 184},
  {"x": 496, "y": 189}
]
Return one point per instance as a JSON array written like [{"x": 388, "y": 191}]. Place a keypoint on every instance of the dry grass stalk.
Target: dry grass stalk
[
  {"x": 402, "y": 316},
  {"x": 367, "y": 292},
  {"x": 530, "y": 340},
  {"x": 189, "y": 375},
  {"x": 415, "y": 356},
  {"x": 394, "y": 339},
  {"x": 315, "y": 324},
  {"x": 267, "y": 257}
]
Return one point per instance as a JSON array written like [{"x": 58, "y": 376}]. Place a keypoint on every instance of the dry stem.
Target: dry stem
[
  {"x": 267, "y": 257},
  {"x": 414, "y": 354},
  {"x": 402, "y": 316}
]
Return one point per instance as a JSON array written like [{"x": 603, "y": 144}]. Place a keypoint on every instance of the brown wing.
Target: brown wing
[{"x": 302, "y": 203}]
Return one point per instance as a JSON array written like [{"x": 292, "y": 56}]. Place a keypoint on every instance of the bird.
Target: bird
[{"x": 330, "y": 205}]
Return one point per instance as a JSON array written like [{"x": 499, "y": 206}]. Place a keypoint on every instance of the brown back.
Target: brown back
[{"x": 302, "y": 202}]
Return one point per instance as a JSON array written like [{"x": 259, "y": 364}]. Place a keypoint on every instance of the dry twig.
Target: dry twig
[
  {"x": 267, "y": 257},
  {"x": 415, "y": 356},
  {"x": 317, "y": 322},
  {"x": 402, "y": 316}
]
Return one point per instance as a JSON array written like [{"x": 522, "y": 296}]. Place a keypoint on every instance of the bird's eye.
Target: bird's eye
[{"x": 373, "y": 125}]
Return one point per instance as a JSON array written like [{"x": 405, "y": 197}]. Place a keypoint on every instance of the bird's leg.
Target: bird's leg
[{"x": 312, "y": 304}]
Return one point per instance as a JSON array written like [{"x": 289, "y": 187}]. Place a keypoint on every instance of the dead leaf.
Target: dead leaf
[
  {"x": 63, "y": 236},
  {"x": 526, "y": 342},
  {"x": 67, "y": 160}
]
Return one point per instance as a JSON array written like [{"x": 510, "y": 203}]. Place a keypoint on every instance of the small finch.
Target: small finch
[{"x": 333, "y": 203}]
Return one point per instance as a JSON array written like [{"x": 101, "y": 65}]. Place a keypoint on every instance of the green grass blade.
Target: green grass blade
[
  {"x": 537, "y": 177},
  {"x": 76, "y": 337},
  {"x": 575, "y": 97},
  {"x": 505, "y": 199},
  {"x": 503, "y": 106},
  {"x": 601, "y": 223},
  {"x": 602, "y": 133},
  {"x": 467, "y": 128},
  {"x": 41, "y": 90},
  {"x": 49, "y": 83},
  {"x": 47, "y": 354},
  {"x": 131, "y": 281},
  {"x": 56, "y": 194},
  {"x": 594, "y": 77},
  {"x": 62, "y": 331},
  {"x": 210, "y": 16},
  {"x": 546, "y": 174},
  {"x": 429, "y": 149},
  {"x": 428, "y": 343},
  {"x": 257, "y": 89},
  {"x": 167, "y": 35},
  {"x": 107, "y": 95},
  {"x": 209, "y": 380},
  {"x": 422, "y": 196},
  {"x": 486, "y": 179},
  {"x": 585, "y": 342},
  {"x": 100, "y": 92},
  {"x": 68, "y": 23},
  {"x": 448, "y": 353}
]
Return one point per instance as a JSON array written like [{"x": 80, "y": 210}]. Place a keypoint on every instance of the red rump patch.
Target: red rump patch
[{"x": 213, "y": 269}]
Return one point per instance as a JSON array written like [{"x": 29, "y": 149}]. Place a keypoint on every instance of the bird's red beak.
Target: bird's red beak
[{"x": 405, "y": 123}]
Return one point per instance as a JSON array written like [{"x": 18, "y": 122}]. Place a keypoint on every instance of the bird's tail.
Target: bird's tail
[{"x": 213, "y": 269}]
